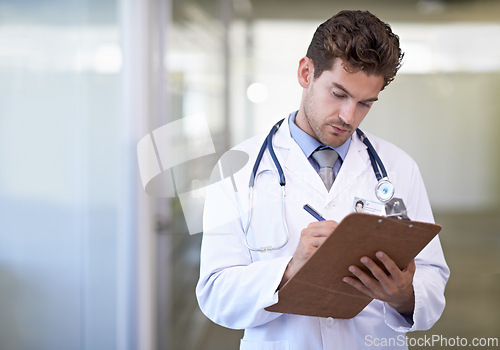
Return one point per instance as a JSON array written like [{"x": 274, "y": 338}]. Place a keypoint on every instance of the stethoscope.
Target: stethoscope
[{"x": 384, "y": 190}]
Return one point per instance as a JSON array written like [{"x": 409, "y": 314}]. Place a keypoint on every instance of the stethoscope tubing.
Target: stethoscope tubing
[
  {"x": 376, "y": 162},
  {"x": 374, "y": 157},
  {"x": 268, "y": 143}
]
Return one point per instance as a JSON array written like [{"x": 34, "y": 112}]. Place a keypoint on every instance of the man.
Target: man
[
  {"x": 359, "y": 206},
  {"x": 252, "y": 247}
]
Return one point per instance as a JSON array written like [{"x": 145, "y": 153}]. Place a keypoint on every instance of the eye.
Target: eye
[
  {"x": 338, "y": 95},
  {"x": 366, "y": 104}
]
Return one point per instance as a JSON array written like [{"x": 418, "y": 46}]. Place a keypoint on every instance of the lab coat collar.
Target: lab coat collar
[{"x": 356, "y": 162}]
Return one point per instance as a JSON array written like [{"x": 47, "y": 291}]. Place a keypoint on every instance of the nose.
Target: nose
[{"x": 347, "y": 112}]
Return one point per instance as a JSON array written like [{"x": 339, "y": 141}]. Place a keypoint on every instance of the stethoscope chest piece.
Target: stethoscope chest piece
[{"x": 384, "y": 190}]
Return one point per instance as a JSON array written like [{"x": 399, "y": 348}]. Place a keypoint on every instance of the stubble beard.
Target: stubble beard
[{"x": 319, "y": 131}]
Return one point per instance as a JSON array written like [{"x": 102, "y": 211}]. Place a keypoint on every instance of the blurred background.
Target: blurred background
[{"x": 90, "y": 261}]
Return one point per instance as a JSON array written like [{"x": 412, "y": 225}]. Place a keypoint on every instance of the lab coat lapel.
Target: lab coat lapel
[
  {"x": 296, "y": 161},
  {"x": 356, "y": 163}
]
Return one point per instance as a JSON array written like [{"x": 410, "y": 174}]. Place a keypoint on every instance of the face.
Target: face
[{"x": 334, "y": 104}]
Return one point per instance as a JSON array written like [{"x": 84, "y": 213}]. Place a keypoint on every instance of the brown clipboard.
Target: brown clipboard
[{"x": 317, "y": 288}]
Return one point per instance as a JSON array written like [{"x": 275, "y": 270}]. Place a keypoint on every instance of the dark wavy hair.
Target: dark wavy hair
[{"x": 361, "y": 40}]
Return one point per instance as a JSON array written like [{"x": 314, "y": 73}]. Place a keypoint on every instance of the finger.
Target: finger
[
  {"x": 318, "y": 230},
  {"x": 312, "y": 239},
  {"x": 327, "y": 225},
  {"x": 376, "y": 271},
  {"x": 411, "y": 267},
  {"x": 370, "y": 282},
  {"x": 315, "y": 241},
  {"x": 359, "y": 286},
  {"x": 311, "y": 232},
  {"x": 389, "y": 264}
]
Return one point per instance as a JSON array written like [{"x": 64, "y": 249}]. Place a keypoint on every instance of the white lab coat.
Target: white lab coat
[{"x": 236, "y": 284}]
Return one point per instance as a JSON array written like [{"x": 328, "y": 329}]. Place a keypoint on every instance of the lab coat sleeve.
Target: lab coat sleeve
[
  {"x": 432, "y": 272},
  {"x": 233, "y": 290}
]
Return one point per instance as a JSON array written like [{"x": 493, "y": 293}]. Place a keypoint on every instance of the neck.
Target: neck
[{"x": 302, "y": 123}]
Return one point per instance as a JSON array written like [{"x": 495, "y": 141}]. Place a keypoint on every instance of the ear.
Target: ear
[{"x": 305, "y": 72}]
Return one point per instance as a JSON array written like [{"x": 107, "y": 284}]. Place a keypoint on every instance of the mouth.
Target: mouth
[{"x": 339, "y": 130}]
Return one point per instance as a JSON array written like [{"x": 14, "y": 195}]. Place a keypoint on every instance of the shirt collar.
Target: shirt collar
[{"x": 309, "y": 144}]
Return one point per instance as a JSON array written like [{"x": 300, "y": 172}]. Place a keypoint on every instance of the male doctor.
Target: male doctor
[{"x": 352, "y": 57}]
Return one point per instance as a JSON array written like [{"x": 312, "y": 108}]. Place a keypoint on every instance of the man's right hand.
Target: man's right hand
[{"x": 310, "y": 240}]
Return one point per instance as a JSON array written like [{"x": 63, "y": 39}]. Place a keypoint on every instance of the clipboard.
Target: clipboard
[{"x": 317, "y": 288}]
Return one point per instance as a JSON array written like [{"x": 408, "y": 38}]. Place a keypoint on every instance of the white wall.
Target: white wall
[{"x": 449, "y": 123}]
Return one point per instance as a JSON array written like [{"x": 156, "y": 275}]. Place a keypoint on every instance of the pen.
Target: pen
[{"x": 313, "y": 212}]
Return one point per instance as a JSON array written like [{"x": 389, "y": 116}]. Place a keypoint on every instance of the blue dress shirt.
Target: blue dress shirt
[{"x": 309, "y": 144}]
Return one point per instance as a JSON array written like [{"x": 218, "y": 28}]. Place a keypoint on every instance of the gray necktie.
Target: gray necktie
[{"x": 326, "y": 158}]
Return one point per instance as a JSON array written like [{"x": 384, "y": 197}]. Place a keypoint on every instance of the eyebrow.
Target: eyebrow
[{"x": 339, "y": 86}]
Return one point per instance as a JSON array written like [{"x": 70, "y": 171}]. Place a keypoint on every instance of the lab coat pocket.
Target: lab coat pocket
[{"x": 264, "y": 345}]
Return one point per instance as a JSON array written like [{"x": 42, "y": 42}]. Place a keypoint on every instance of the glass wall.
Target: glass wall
[
  {"x": 65, "y": 185},
  {"x": 196, "y": 76}
]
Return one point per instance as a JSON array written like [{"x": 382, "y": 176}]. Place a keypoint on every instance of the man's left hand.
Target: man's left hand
[{"x": 395, "y": 288}]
